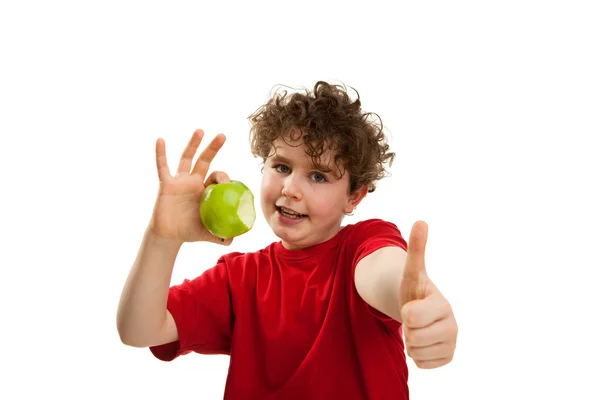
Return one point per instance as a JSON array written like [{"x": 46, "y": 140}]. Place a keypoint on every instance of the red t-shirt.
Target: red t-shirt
[{"x": 293, "y": 323}]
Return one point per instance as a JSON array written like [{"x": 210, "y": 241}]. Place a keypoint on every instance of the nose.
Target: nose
[{"x": 291, "y": 189}]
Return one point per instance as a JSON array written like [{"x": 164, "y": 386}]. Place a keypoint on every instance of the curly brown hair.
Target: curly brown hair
[{"x": 327, "y": 119}]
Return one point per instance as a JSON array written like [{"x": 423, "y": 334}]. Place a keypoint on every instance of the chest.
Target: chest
[{"x": 292, "y": 301}]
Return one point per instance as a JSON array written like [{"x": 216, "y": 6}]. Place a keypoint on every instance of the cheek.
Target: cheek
[
  {"x": 327, "y": 205},
  {"x": 268, "y": 186}
]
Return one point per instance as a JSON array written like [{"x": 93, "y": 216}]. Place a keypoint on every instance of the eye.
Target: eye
[
  {"x": 284, "y": 169},
  {"x": 319, "y": 178}
]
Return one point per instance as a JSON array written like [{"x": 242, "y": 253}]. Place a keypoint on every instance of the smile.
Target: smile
[{"x": 286, "y": 212}]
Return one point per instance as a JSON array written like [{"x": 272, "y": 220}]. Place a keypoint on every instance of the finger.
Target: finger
[
  {"x": 208, "y": 155},
  {"x": 185, "y": 162},
  {"x": 424, "y": 312},
  {"x": 161, "y": 161},
  {"x": 433, "y": 363},
  {"x": 218, "y": 240},
  {"x": 415, "y": 255},
  {"x": 430, "y": 353},
  {"x": 217, "y": 177},
  {"x": 226, "y": 242},
  {"x": 440, "y": 331}
]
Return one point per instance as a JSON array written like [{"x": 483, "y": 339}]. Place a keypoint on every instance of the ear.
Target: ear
[{"x": 355, "y": 198}]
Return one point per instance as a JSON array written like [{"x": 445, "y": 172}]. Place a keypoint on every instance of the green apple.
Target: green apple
[{"x": 227, "y": 209}]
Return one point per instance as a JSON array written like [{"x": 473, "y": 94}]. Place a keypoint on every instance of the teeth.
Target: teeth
[{"x": 290, "y": 213}]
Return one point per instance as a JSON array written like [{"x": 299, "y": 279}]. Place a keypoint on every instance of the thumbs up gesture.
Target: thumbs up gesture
[{"x": 428, "y": 322}]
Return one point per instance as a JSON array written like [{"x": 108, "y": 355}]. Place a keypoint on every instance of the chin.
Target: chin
[{"x": 292, "y": 236}]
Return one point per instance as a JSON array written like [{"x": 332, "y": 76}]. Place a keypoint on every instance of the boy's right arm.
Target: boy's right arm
[{"x": 142, "y": 317}]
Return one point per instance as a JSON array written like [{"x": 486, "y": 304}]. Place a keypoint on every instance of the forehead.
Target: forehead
[{"x": 295, "y": 151}]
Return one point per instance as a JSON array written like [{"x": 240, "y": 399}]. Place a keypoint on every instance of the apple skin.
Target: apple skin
[{"x": 219, "y": 208}]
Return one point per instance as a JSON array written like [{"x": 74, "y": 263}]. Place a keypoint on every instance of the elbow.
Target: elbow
[
  {"x": 130, "y": 340},
  {"x": 123, "y": 335},
  {"x": 126, "y": 336}
]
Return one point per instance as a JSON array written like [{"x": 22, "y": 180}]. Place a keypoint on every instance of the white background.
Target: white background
[{"x": 493, "y": 109}]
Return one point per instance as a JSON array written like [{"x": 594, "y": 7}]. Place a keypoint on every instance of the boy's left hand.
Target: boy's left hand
[{"x": 428, "y": 322}]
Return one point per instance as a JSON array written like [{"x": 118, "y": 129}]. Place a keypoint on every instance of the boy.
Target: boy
[{"x": 317, "y": 315}]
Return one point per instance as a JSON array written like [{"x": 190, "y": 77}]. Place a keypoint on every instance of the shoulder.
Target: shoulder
[
  {"x": 371, "y": 228},
  {"x": 374, "y": 222},
  {"x": 366, "y": 236}
]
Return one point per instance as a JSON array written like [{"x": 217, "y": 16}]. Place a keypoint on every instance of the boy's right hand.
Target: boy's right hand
[{"x": 176, "y": 213}]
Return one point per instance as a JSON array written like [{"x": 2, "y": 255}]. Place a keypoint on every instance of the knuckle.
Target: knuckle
[
  {"x": 447, "y": 307},
  {"x": 446, "y": 350},
  {"x": 452, "y": 330},
  {"x": 221, "y": 177}
]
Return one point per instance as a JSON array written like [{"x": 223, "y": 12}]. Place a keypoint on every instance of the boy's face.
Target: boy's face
[{"x": 302, "y": 204}]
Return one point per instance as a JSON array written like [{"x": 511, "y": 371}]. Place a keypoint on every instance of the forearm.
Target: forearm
[
  {"x": 142, "y": 310},
  {"x": 378, "y": 279}
]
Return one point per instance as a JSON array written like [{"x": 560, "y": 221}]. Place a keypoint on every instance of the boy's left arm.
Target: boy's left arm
[{"x": 395, "y": 282}]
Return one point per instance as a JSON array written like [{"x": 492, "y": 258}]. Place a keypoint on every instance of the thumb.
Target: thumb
[
  {"x": 415, "y": 255},
  {"x": 217, "y": 177}
]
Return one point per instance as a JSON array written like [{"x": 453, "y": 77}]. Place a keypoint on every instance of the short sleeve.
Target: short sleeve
[
  {"x": 369, "y": 236},
  {"x": 203, "y": 314},
  {"x": 373, "y": 235}
]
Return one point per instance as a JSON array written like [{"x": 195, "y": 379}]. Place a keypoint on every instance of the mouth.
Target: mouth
[{"x": 289, "y": 213}]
